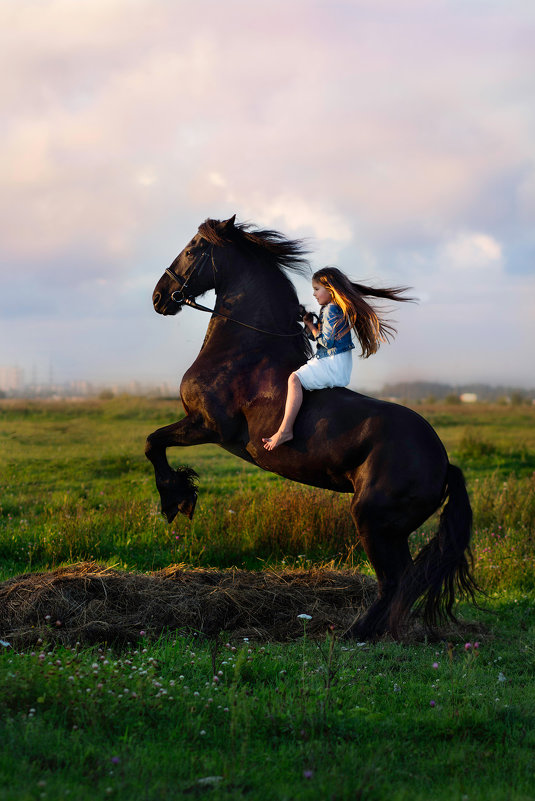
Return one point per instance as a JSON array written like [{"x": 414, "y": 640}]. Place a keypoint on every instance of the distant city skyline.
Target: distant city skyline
[
  {"x": 396, "y": 136},
  {"x": 14, "y": 385}
]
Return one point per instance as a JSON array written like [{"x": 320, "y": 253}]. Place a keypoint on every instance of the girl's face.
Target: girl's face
[{"x": 321, "y": 293}]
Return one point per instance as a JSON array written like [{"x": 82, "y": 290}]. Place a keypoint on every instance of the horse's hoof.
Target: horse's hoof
[
  {"x": 187, "y": 506},
  {"x": 170, "y": 512},
  {"x": 362, "y": 631},
  {"x": 354, "y": 632}
]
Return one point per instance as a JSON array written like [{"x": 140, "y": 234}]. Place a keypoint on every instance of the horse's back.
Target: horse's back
[
  {"x": 361, "y": 417},
  {"x": 391, "y": 446},
  {"x": 342, "y": 438}
]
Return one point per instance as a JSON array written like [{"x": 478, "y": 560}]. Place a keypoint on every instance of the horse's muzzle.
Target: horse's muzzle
[{"x": 166, "y": 306}]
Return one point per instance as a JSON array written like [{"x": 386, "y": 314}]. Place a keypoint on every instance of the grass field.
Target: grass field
[{"x": 228, "y": 719}]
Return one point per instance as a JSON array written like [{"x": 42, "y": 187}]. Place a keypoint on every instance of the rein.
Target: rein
[{"x": 190, "y": 301}]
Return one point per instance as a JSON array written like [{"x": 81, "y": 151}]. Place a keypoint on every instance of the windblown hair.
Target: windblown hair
[
  {"x": 285, "y": 254},
  {"x": 367, "y": 321},
  {"x": 277, "y": 253}
]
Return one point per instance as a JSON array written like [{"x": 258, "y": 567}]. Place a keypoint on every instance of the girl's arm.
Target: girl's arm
[{"x": 333, "y": 326}]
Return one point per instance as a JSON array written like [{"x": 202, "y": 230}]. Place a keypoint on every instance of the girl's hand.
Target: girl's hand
[{"x": 314, "y": 329}]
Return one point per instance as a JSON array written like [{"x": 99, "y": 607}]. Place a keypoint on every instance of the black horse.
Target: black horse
[{"x": 388, "y": 456}]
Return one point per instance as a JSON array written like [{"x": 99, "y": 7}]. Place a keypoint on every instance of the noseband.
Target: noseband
[{"x": 179, "y": 295}]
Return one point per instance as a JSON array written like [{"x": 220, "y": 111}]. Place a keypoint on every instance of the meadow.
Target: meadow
[{"x": 220, "y": 717}]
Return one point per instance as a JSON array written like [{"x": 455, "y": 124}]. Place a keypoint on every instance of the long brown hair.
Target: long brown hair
[{"x": 367, "y": 321}]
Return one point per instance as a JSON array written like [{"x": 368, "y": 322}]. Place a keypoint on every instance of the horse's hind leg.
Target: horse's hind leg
[{"x": 386, "y": 546}]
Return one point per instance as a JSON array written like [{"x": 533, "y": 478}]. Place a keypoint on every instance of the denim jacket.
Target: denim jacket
[{"x": 329, "y": 342}]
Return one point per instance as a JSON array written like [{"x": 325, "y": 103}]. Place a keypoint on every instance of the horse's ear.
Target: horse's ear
[{"x": 228, "y": 225}]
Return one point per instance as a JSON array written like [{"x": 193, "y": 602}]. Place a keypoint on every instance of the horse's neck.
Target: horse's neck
[
  {"x": 258, "y": 297},
  {"x": 257, "y": 302}
]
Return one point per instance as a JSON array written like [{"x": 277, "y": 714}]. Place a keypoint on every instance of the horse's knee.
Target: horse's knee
[{"x": 150, "y": 444}]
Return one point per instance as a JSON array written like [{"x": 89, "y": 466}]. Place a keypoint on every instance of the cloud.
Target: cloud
[{"x": 398, "y": 137}]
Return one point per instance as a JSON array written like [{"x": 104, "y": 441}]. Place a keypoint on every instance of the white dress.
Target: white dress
[
  {"x": 333, "y": 370},
  {"x": 330, "y": 371}
]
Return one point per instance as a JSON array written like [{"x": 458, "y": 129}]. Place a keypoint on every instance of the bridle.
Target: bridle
[
  {"x": 179, "y": 295},
  {"x": 183, "y": 281}
]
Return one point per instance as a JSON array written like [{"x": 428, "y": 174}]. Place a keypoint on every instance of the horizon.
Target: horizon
[
  {"x": 134, "y": 387},
  {"x": 395, "y": 137}
]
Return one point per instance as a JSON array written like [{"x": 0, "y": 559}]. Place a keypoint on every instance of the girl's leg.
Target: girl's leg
[{"x": 294, "y": 399}]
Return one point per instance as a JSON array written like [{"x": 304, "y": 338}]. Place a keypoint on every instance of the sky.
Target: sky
[{"x": 398, "y": 136}]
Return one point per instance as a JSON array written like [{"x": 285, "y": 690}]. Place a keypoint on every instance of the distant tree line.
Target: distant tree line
[{"x": 432, "y": 390}]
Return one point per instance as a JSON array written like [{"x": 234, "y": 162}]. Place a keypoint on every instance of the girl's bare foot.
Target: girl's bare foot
[{"x": 277, "y": 439}]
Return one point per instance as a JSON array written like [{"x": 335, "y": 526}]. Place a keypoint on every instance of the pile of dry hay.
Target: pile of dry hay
[{"x": 89, "y": 603}]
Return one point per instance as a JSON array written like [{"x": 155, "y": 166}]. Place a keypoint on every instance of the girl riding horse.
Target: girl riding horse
[
  {"x": 384, "y": 454},
  {"x": 343, "y": 309}
]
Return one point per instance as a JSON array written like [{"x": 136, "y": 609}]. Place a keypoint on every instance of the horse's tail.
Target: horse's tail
[{"x": 443, "y": 566}]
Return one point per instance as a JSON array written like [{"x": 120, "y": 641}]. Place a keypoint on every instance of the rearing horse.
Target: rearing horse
[{"x": 385, "y": 454}]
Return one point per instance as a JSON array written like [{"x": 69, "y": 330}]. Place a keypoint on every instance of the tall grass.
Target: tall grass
[
  {"x": 290, "y": 524},
  {"x": 76, "y": 485}
]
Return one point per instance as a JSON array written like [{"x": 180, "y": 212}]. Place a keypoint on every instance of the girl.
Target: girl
[{"x": 343, "y": 309}]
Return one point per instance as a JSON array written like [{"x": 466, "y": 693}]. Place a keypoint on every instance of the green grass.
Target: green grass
[
  {"x": 301, "y": 721},
  {"x": 308, "y": 720},
  {"x": 76, "y": 485}
]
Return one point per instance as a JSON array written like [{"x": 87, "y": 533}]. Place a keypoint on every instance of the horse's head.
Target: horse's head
[{"x": 192, "y": 273}]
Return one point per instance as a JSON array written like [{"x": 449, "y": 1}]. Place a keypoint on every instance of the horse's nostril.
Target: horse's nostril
[{"x": 156, "y": 298}]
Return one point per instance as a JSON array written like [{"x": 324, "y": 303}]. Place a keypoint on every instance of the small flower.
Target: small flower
[
  {"x": 115, "y": 760},
  {"x": 304, "y": 617},
  {"x": 308, "y": 774},
  {"x": 432, "y": 703},
  {"x": 501, "y": 677},
  {"x": 142, "y": 633},
  {"x": 467, "y": 646},
  {"x": 435, "y": 665}
]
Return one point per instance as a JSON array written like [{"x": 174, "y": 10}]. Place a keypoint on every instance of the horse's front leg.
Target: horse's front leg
[{"x": 177, "y": 488}]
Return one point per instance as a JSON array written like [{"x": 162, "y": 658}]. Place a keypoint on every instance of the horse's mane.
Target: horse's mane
[
  {"x": 273, "y": 249},
  {"x": 284, "y": 254}
]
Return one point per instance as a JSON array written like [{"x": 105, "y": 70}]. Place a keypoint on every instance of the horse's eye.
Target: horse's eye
[{"x": 188, "y": 252}]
